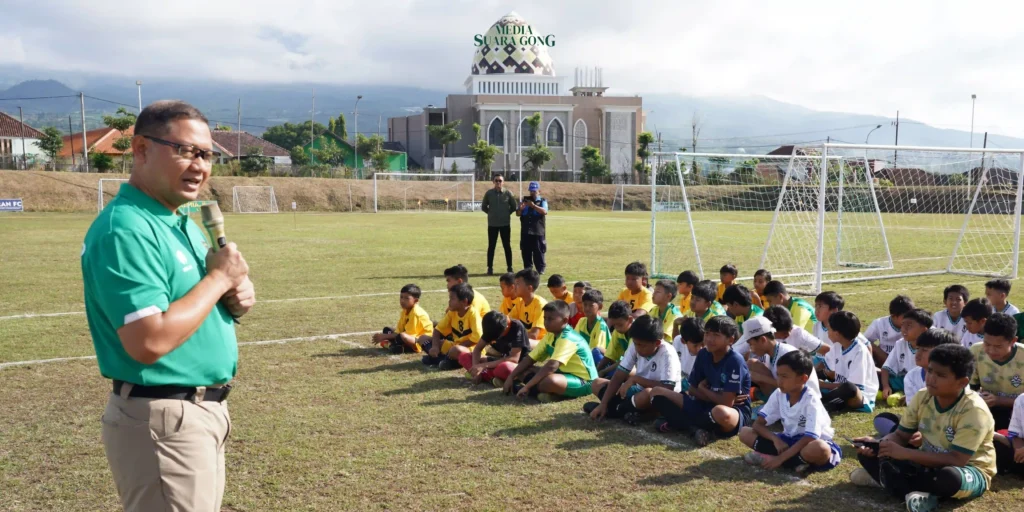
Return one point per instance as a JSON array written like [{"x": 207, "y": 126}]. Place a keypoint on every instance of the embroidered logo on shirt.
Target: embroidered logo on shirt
[
  {"x": 950, "y": 434},
  {"x": 1015, "y": 380}
]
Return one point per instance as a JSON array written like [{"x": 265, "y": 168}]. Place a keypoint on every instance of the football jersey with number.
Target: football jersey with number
[
  {"x": 639, "y": 300},
  {"x": 459, "y": 329},
  {"x": 662, "y": 366},
  {"x": 1001, "y": 379},
  {"x": 884, "y": 332},
  {"x": 532, "y": 314}
]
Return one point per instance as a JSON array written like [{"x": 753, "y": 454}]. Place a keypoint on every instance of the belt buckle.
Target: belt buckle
[{"x": 198, "y": 396}]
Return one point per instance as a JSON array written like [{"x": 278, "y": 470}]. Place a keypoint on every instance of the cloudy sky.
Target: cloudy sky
[{"x": 924, "y": 58}]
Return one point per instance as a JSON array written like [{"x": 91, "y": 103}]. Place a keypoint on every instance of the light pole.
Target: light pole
[
  {"x": 138, "y": 84},
  {"x": 973, "y": 98},
  {"x": 355, "y": 133},
  {"x": 869, "y": 134},
  {"x": 519, "y": 148}
]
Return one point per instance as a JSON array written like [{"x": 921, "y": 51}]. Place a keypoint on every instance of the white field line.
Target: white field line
[
  {"x": 334, "y": 337},
  {"x": 698, "y": 222}
]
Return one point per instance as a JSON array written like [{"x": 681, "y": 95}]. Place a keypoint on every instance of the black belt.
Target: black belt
[{"x": 217, "y": 394}]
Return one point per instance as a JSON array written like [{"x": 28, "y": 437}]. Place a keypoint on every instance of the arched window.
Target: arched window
[
  {"x": 556, "y": 134},
  {"x": 496, "y": 132},
  {"x": 527, "y": 137},
  {"x": 579, "y": 134}
]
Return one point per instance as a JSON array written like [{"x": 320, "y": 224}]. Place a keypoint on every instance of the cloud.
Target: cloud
[{"x": 923, "y": 58}]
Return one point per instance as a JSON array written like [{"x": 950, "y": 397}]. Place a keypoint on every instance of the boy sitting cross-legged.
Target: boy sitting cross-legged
[
  {"x": 997, "y": 291},
  {"x": 956, "y": 459},
  {"x": 636, "y": 293},
  {"x": 975, "y": 314},
  {"x": 592, "y": 326},
  {"x": 530, "y": 308},
  {"x": 854, "y": 380},
  {"x": 717, "y": 403},
  {"x": 413, "y": 322},
  {"x": 765, "y": 353},
  {"x": 688, "y": 343},
  {"x": 620, "y": 319},
  {"x": 507, "y": 281},
  {"x": 460, "y": 274},
  {"x": 664, "y": 310},
  {"x": 913, "y": 383},
  {"x": 954, "y": 297},
  {"x": 999, "y": 367},
  {"x": 790, "y": 334},
  {"x": 805, "y": 443},
  {"x": 684, "y": 287},
  {"x": 886, "y": 330},
  {"x": 801, "y": 311},
  {"x": 457, "y": 333},
  {"x": 901, "y": 359},
  {"x": 503, "y": 343},
  {"x": 649, "y": 363},
  {"x": 567, "y": 369},
  {"x": 576, "y": 308}
]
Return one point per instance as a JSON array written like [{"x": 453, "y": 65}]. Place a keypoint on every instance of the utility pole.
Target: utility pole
[
  {"x": 239, "y": 129},
  {"x": 85, "y": 142},
  {"x": 138, "y": 84},
  {"x": 312, "y": 135},
  {"x": 24, "y": 155},
  {"x": 71, "y": 137},
  {"x": 895, "y": 154}
]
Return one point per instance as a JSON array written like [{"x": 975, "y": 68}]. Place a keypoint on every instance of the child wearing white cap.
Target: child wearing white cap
[{"x": 765, "y": 352}]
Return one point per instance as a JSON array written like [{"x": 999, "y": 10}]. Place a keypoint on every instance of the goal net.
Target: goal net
[
  {"x": 106, "y": 189},
  {"x": 254, "y": 199},
  {"x": 637, "y": 198},
  {"x": 417, "y": 192}
]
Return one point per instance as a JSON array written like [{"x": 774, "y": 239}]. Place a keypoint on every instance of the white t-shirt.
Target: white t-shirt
[
  {"x": 942, "y": 320},
  {"x": 1010, "y": 309},
  {"x": 781, "y": 349},
  {"x": 807, "y": 418},
  {"x": 662, "y": 366},
  {"x": 802, "y": 340},
  {"x": 856, "y": 366},
  {"x": 969, "y": 340},
  {"x": 913, "y": 382},
  {"x": 1017, "y": 418},
  {"x": 685, "y": 359},
  {"x": 821, "y": 333},
  {"x": 884, "y": 332},
  {"x": 901, "y": 359}
]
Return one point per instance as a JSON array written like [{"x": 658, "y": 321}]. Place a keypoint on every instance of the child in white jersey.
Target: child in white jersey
[
  {"x": 688, "y": 344},
  {"x": 765, "y": 352},
  {"x": 975, "y": 314},
  {"x": 954, "y": 297},
  {"x": 900, "y": 360},
  {"x": 886, "y": 330},
  {"x": 855, "y": 382}
]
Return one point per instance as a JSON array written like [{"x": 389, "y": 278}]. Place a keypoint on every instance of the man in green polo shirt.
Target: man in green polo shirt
[{"x": 160, "y": 306}]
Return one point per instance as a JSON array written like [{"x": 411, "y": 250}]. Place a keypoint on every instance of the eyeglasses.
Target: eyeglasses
[
  {"x": 499, "y": 181},
  {"x": 187, "y": 151}
]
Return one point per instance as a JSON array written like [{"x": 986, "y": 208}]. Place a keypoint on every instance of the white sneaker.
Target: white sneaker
[
  {"x": 861, "y": 477},
  {"x": 921, "y": 502}
]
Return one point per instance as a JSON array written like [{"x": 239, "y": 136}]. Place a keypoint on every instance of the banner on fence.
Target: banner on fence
[
  {"x": 468, "y": 206},
  {"x": 670, "y": 206},
  {"x": 11, "y": 205}
]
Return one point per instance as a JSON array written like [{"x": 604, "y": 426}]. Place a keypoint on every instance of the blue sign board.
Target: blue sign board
[{"x": 11, "y": 205}]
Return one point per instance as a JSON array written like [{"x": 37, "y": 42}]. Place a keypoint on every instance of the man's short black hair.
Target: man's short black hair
[
  {"x": 722, "y": 325},
  {"x": 594, "y": 296},
  {"x": 774, "y": 288},
  {"x": 798, "y": 361},
  {"x": 1001, "y": 325},
  {"x": 765, "y": 273},
  {"x": 458, "y": 272},
  {"x": 845, "y": 323},
  {"x": 956, "y": 357},
  {"x": 582, "y": 284},
  {"x": 978, "y": 309},
  {"x": 557, "y": 307},
  {"x": 637, "y": 269},
  {"x": 463, "y": 292},
  {"x": 729, "y": 269},
  {"x": 619, "y": 309},
  {"x": 900, "y": 305},
  {"x": 831, "y": 299},
  {"x": 413, "y": 290},
  {"x": 935, "y": 337},
  {"x": 688, "y": 277},
  {"x": 530, "y": 278},
  {"x": 154, "y": 119},
  {"x": 692, "y": 330},
  {"x": 999, "y": 285},
  {"x": 669, "y": 286},
  {"x": 958, "y": 289},
  {"x": 507, "y": 278},
  {"x": 646, "y": 329},
  {"x": 780, "y": 318},
  {"x": 737, "y": 294},
  {"x": 555, "y": 281},
  {"x": 919, "y": 317},
  {"x": 704, "y": 290},
  {"x": 494, "y": 324},
  {"x": 497, "y": 175}
]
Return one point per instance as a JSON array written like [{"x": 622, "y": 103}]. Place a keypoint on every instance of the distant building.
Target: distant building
[
  {"x": 100, "y": 140},
  {"x": 12, "y": 132},
  {"x": 232, "y": 144},
  {"x": 510, "y": 82}
]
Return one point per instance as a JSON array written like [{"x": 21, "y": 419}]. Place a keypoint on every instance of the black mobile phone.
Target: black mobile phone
[{"x": 872, "y": 445}]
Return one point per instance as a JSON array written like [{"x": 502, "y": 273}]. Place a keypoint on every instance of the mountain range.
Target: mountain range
[{"x": 754, "y": 124}]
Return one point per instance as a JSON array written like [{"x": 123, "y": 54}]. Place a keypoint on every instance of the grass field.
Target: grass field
[{"x": 323, "y": 422}]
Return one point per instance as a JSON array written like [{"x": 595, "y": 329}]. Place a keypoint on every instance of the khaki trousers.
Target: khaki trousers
[{"x": 166, "y": 455}]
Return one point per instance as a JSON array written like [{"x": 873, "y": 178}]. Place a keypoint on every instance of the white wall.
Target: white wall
[
  {"x": 33, "y": 146},
  {"x": 465, "y": 164}
]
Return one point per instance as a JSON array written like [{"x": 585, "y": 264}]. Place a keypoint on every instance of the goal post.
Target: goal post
[
  {"x": 106, "y": 189},
  {"x": 253, "y": 199},
  {"x": 424, "y": 192}
]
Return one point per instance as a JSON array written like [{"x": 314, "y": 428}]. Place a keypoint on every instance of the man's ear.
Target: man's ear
[{"x": 139, "y": 146}]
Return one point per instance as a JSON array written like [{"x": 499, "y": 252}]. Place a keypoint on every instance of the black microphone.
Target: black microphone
[{"x": 213, "y": 221}]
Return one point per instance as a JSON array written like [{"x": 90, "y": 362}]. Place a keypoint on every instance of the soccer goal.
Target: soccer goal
[
  {"x": 416, "y": 192},
  {"x": 254, "y": 199},
  {"x": 106, "y": 189},
  {"x": 636, "y": 198}
]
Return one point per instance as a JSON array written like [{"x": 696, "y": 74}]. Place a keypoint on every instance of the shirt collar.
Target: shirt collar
[
  {"x": 802, "y": 391},
  {"x": 139, "y": 198}
]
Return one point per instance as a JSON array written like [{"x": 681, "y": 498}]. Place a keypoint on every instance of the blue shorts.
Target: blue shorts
[
  {"x": 833, "y": 459},
  {"x": 699, "y": 407}
]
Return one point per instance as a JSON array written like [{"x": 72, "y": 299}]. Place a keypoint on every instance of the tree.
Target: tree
[
  {"x": 289, "y": 135},
  {"x": 644, "y": 140},
  {"x": 716, "y": 177},
  {"x": 101, "y": 162},
  {"x": 379, "y": 159},
  {"x": 594, "y": 166},
  {"x": 455, "y": 167},
  {"x": 746, "y": 172},
  {"x": 254, "y": 163},
  {"x": 696, "y": 123},
  {"x": 332, "y": 126},
  {"x": 122, "y": 121},
  {"x": 538, "y": 154},
  {"x": 51, "y": 143},
  {"x": 222, "y": 128},
  {"x": 339, "y": 127},
  {"x": 445, "y": 134},
  {"x": 719, "y": 162},
  {"x": 957, "y": 180},
  {"x": 483, "y": 152},
  {"x": 329, "y": 154},
  {"x": 123, "y": 144},
  {"x": 299, "y": 156}
]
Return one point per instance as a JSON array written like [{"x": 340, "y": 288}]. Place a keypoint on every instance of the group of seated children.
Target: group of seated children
[{"x": 695, "y": 358}]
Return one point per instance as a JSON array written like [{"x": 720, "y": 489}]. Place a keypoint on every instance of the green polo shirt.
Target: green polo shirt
[{"x": 138, "y": 258}]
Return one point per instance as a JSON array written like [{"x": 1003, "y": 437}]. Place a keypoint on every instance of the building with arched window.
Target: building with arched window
[{"x": 507, "y": 84}]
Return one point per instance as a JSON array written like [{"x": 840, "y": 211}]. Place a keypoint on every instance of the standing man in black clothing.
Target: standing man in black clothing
[
  {"x": 498, "y": 204},
  {"x": 532, "y": 212}
]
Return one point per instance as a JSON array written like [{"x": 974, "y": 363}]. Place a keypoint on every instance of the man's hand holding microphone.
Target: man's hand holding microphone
[{"x": 225, "y": 262}]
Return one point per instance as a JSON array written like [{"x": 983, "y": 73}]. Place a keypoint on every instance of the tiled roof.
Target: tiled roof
[
  {"x": 228, "y": 142},
  {"x": 11, "y": 127},
  {"x": 100, "y": 140}
]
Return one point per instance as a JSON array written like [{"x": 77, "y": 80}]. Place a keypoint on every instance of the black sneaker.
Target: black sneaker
[
  {"x": 430, "y": 361},
  {"x": 703, "y": 437},
  {"x": 490, "y": 271},
  {"x": 510, "y": 271},
  {"x": 387, "y": 330},
  {"x": 590, "y": 406},
  {"x": 633, "y": 418},
  {"x": 447, "y": 364},
  {"x": 397, "y": 347}
]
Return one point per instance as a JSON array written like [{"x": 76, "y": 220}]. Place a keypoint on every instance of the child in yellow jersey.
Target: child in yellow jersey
[
  {"x": 413, "y": 322},
  {"x": 727, "y": 274},
  {"x": 684, "y": 287},
  {"x": 999, "y": 367},
  {"x": 664, "y": 310},
  {"x": 592, "y": 327},
  {"x": 761, "y": 278},
  {"x": 459, "y": 274},
  {"x": 620, "y": 319},
  {"x": 458, "y": 332},
  {"x": 636, "y": 293},
  {"x": 507, "y": 281},
  {"x": 702, "y": 305},
  {"x": 529, "y": 311},
  {"x": 558, "y": 289},
  {"x": 576, "y": 308}
]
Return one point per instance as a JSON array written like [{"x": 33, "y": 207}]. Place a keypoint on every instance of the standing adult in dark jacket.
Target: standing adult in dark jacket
[
  {"x": 498, "y": 204},
  {"x": 532, "y": 212}
]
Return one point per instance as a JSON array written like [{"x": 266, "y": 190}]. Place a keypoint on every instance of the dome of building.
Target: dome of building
[{"x": 510, "y": 46}]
